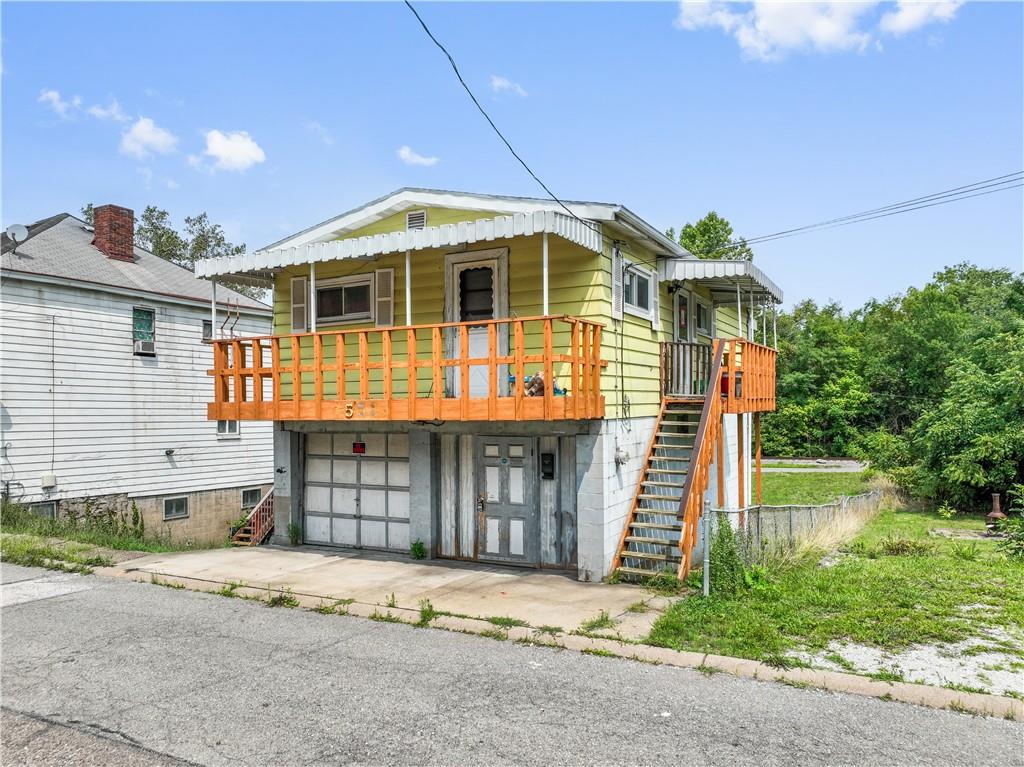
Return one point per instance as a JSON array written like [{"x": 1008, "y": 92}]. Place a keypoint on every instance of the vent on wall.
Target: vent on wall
[{"x": 415, "y": 219}]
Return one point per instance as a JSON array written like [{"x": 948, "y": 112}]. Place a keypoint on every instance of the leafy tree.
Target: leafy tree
[
  {"x": 928, "y": 385},
  {"x": 712, "y": 237},
  {"x": 201, "y": 239}
]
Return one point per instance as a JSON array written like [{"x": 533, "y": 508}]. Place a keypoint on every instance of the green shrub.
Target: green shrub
[
  {"x": 418, "y": 550},
  {"x": 726, "y": 576},
  {"x": 896, "y": 546},
  {"x": 294, "y": 534},
  {"x": 965, "y": 550}
]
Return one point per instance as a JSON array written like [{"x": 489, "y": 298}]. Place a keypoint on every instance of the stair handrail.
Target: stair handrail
[
  {"x": 259, "y": 516},
  {"x": 695, "y": 487}
]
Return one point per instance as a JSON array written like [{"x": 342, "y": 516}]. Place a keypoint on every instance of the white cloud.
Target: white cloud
[
  {"x": 231, "y": 151},
  {"x": 63, "y": 108},
  {"x": 145, "y": 137},
  {"x": 112, "y": 112},
  {"x": 501, "y": 84},
  {"x": 171, "y": 183},
  {"x": 319, "y": 130},
  {"x": 769, "y": 30},
  {"x": 910, "y": 16},
  {"x": 409, "y": 157}
]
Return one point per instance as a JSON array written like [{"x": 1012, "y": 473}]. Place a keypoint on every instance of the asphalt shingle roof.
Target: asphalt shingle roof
[{"x": 61, "y": 246}]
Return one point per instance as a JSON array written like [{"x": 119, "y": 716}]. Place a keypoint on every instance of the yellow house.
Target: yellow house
[{"x": 500, "y": 379}]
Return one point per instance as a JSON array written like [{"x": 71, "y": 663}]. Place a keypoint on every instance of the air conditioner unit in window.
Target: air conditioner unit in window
[{"x": 145, "y": 347}]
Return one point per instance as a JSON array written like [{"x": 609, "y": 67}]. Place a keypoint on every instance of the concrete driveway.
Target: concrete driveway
[{"x": 541, "y": 598}]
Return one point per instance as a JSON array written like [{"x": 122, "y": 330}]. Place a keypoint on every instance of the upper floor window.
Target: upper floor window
[
  {"x": 345, "y": 299},
  {"x": 143, "y": 331},
  {"x": 703, "y": 316},
  {"x": 636, "y": 291}
]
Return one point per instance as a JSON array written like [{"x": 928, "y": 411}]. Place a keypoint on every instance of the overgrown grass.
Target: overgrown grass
[
  {"x": 886, "y": 601},
  {"x": 98, "y": 529},
  {"x": 602, "y": 621},
  {"x": 32, "y": 551},
  {"x": 810, "y": 488}
]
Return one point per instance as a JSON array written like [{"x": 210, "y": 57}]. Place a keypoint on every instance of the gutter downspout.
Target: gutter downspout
[
  {"x": 213, "y": 310},
  {"x": 408, "y": 289},
  {"x": 312, "y": 296}
]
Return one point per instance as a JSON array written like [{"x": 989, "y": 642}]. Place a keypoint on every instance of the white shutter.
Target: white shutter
[
  {"x": 655, "y": 301},
  {"x": 415, "y": 219},
  {"x": 300, "y": 301},
  {"x": 617, "y": 267},
  {"x": 385, "y": 281}
]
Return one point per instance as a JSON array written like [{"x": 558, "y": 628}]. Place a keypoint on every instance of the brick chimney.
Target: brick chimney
[{"x": 114, "y": 229}]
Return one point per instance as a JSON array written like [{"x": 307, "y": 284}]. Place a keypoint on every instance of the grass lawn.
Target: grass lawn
[
  {"x": 17, "y": 520},
  {"x": 935, "y": 591},
  {"x": 810, "y": 488},
  {"x": 33, "y": 551}
]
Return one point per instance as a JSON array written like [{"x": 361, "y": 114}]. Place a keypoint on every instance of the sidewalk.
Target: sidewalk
[{"x": 539, "y": 597}]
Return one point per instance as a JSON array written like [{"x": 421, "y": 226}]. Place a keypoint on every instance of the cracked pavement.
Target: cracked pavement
[{"x": 171, "y": 675}]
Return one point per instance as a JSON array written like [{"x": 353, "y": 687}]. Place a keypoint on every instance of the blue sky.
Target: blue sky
[{"x": 273, "y": 117}]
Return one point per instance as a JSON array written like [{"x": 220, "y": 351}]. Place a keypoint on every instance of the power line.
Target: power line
[
  {"x": 996, "y": 184},
  {"x": 986, "y": 183},
  {"x": 494, "y": 127},
  {"x": 1002, "y": 183}
]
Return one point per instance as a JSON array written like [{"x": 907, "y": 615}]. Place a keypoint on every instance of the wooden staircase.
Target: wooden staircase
[
  {"x": 258, "y": 525},
  {"x": 650, "y": 540},
  {"x": 661, "y": 528}
]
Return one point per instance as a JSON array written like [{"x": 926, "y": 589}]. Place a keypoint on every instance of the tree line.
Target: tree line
[{"x": 927, "y": 385}]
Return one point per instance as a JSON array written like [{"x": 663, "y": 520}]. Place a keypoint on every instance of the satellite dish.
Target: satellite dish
[{"x": 17, "y": 232}]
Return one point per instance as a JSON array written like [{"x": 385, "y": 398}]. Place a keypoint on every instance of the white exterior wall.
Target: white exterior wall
[
  {"x": 606, "y": 489},
  {"x": 730, "y": 436},
  {"x": 112, "y": 414}
]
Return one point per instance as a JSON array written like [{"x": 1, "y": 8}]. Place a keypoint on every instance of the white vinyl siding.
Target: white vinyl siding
[{"x": 113, "y": 415}]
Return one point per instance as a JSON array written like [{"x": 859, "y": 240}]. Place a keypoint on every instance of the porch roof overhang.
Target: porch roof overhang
[
  {"x": 261, "y": 265},
  {"x": 722, "y": 277}
]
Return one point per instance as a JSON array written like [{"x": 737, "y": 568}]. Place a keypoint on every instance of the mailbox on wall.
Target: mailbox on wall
[{"x": 547, "y": 465}]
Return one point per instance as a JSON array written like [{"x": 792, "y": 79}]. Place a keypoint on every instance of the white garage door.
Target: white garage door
[{"x": 355, "y": 499}]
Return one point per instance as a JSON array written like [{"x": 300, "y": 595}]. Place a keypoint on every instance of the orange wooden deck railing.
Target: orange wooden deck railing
[
  {"x": 413, "y": 373},
  {"x": 706, "y": 448},
  {"x": 748, "y": 374}
]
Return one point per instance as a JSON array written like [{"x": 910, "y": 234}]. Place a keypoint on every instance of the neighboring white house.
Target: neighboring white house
[{"x": 103, "y": 385}]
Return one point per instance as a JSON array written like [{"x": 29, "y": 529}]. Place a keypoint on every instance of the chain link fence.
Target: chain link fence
[{"x": 763, "y": 532}]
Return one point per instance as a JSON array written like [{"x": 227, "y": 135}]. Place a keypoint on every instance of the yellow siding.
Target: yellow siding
[
  {"x": 576, "y": 288},
  {"x": 579, "y": 285},
  {"x": 435, "y": 217}
]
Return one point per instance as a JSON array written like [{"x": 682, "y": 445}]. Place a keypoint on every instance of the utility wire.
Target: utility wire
[
  {"x": 927, "y": 201},
  {"x": 1000, "y": 183},
  {"x": 494, "y": 127},
  {"x": 985, "y": 184}
]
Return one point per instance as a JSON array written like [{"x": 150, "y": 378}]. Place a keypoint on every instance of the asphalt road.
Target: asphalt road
[{"x": 95, "y": 664}]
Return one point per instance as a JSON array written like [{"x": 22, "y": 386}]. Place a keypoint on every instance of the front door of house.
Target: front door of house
[
  {"x": 476, "y": 291},
  {"x": 508, "y": 518}
]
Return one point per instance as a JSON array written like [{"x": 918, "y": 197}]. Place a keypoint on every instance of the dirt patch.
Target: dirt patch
[{"x": 973, "y": 665}]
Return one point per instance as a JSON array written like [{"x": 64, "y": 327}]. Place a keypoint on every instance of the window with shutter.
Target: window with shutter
[
  {"x": 300, "y": 301},
  {"x": 655, "y": 302},
  {"x": 385, "y": 297},
  {"x": 617, "y": 287}
]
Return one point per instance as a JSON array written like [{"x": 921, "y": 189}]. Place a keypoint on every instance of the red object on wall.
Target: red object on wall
[{"x": 359, "y": 448}]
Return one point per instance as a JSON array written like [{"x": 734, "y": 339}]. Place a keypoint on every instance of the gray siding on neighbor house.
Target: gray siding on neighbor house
[{"x": 76, "y": 400}]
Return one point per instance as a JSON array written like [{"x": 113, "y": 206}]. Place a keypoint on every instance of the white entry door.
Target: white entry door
[{"x": 476, "y": 290}]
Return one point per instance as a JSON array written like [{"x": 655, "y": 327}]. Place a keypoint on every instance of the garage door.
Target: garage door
[{"x": 357, "y": 498}]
